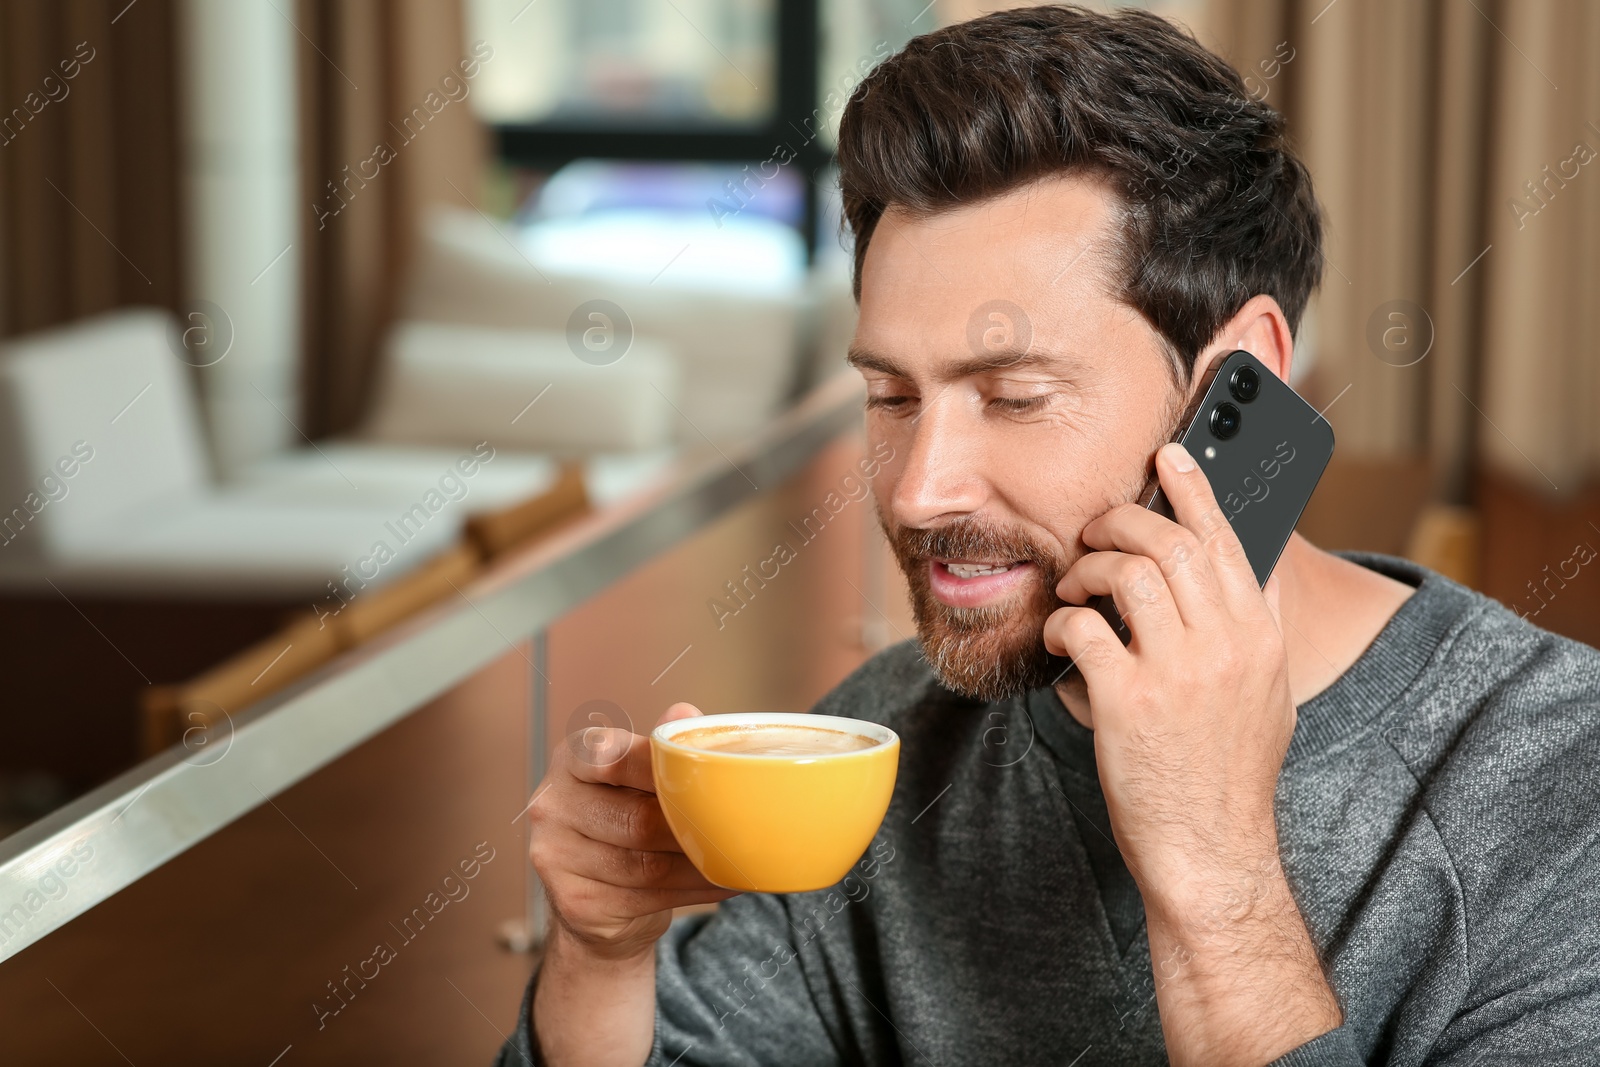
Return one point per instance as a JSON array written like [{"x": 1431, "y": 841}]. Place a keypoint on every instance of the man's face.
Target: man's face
[{"x": 1021, "y": 400}]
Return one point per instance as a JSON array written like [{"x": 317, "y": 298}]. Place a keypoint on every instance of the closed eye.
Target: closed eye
[
  {"x": 888, "y": 402},
  {"x": 1016, "y": 404}
]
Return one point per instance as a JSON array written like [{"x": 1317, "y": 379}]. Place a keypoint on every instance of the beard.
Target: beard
[{"x": 991, "y": 652}]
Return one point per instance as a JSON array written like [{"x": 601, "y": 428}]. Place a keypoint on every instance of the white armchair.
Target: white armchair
[
  {"x": 739, "y": 351},
  {"x": 443, "y": 383},
  {"x": 105, "y": 486}
]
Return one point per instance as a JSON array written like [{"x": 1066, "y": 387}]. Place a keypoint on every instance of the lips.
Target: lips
[{"x": 977, "y": 583}]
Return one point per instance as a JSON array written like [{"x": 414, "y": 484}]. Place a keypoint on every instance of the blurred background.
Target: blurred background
[{"x": 316, "y": 315}]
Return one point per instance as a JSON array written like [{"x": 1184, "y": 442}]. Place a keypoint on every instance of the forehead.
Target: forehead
[{"x": 1044, "y": 252}]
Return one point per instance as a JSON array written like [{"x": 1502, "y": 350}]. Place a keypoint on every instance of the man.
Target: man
[{"x": 1347, "y": 819}]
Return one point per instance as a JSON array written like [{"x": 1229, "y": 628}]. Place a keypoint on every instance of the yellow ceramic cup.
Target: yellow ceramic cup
[{"x": 774, "y": 823}]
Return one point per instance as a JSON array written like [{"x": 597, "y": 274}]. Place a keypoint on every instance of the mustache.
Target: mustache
[{"x": 967, "y": 538}]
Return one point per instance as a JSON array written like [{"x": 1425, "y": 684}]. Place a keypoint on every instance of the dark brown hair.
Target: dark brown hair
[{"x": 1216, "y": 207}]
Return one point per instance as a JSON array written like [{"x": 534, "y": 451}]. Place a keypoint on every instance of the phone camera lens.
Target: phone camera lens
[
  {"x": 1245, "y": 384},
  {"x": 1225, "y": 420}
]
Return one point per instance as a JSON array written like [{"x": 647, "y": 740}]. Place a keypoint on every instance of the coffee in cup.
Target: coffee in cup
[
  {"x": 774, "y": 802},
  {"x": 773, "y": 739}
]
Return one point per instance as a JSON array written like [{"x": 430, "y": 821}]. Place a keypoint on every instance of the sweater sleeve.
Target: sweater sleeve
[
  {"x": 1336, "y": 1048},
  {"x": 518, "y": 1051},
  {"x": 1536, "y": 1000},
  {"x": 729, "y": 991}
]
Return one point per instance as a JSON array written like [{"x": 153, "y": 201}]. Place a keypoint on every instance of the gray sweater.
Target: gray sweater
[{"x": 1438, "y": 822}]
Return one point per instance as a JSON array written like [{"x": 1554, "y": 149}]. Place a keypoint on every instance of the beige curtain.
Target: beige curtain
[
  {"x": 1541, "y": 380},
  {"x": 367, "y": 66},
  {"x": 1422, "y": 122}
]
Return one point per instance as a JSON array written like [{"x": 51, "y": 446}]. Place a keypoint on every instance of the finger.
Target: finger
[
  {"x": 615, "y": 756},
  {"x": 680, "y": 710},
  {"x": 629, "y": 868},
  {"x": 1195, "y": 506},
  {"x": 625, "y": 818},
  {"x": 1135, "y": 583},
  {"x": 612, "y": 756},
  {"x": 574, "y": 891},
  {"x": 1176, "y": 552},
  {"x": 598, "y": 746},
  {"x": 1084, "y": 634}
]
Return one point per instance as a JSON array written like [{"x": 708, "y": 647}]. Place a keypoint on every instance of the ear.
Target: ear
[{"x": 1261, "y": 330}]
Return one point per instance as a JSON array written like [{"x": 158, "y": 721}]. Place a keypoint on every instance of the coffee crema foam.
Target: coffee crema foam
[{"x": 774, "y": 739}]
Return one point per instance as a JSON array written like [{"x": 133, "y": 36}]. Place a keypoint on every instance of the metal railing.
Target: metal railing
[{"x": 79, "y": 855}]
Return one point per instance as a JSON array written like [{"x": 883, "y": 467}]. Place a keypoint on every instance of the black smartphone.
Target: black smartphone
[{"x": 1262, "y": 448}]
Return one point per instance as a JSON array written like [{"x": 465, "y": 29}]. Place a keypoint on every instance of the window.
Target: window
[{"x": 617, "y": 62}]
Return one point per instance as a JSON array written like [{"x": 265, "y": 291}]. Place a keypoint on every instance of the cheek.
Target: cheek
[
  {"x": 883, "y": 485},
  {"x": 1119, "y": 433},
  {"x": 1062, "y": 479},
  {"x": 1054, "y": 498},
  {"x": 888, "y": 443}
]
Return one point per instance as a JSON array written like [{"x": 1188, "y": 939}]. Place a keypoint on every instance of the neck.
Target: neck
[{"x": 1332, "y": 610}]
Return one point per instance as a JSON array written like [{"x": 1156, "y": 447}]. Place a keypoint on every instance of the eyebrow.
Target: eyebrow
[{"x": 1003, "y": 359}]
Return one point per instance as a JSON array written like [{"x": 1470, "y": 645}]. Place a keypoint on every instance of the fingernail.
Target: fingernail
[{"x": 1179, "y": 457}]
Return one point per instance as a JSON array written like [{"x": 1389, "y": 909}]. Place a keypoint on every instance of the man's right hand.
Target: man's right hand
[
  {"x": 612, "y": 873},
  {"x": 610, "y": 867}
]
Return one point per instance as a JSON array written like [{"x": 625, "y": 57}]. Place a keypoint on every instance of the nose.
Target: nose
[{"x": 941, "y": 476}]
